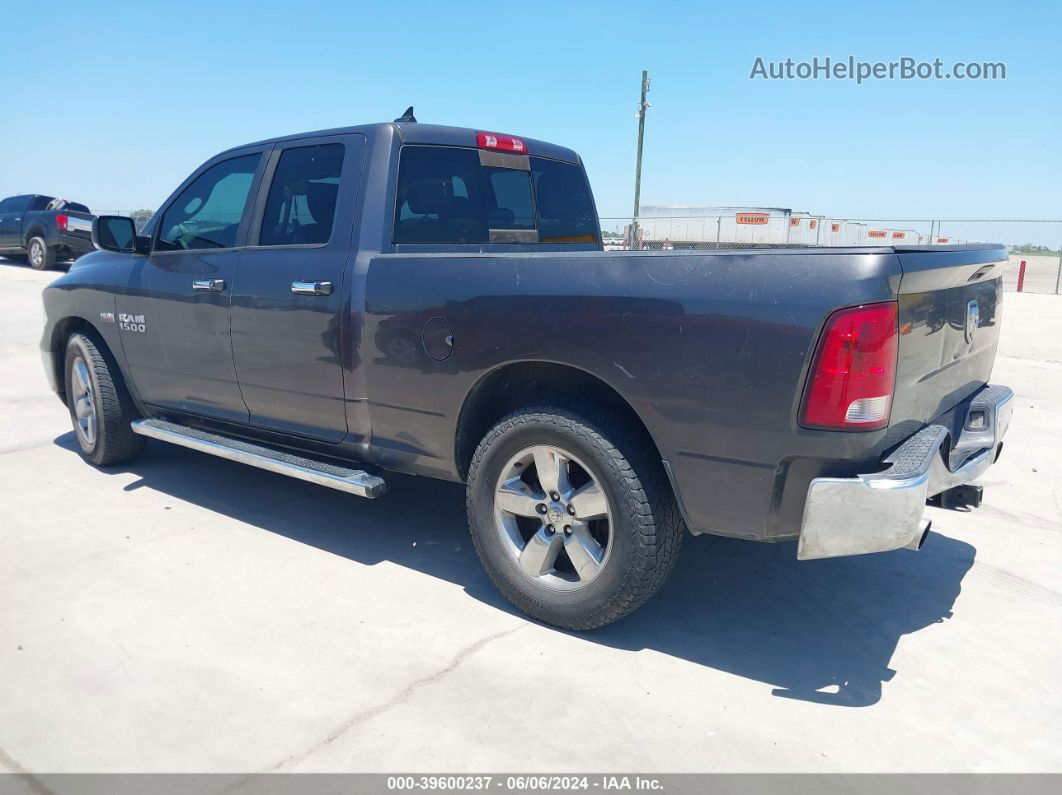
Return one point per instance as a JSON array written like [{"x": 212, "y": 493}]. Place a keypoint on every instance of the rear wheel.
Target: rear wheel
[
  {"x": 100, "y": 407},
  {"x": 41, "y": 256},
  {"x": 573, "y": 520}
]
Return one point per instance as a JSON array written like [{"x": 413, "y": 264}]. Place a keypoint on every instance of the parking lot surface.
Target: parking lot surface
[
  {"x": 1041, "y": 273},
  {"x": 186, "y": 613}
]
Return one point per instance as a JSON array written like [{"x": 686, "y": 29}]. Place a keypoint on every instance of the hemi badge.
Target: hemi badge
[{"x": 107, "y": 317}]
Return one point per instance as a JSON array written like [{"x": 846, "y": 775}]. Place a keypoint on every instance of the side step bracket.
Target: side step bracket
[{"x": 352, "y": 481}]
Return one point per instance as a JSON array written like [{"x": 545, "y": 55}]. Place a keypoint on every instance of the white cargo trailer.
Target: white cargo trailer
[
  {"x": 686, "y": 224},
  {"x": 839, "y": 232},
  {"x": 805, "y": 229}
]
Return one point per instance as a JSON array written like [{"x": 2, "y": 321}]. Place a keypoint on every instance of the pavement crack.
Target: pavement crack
[{"x": 404, "y": 695}]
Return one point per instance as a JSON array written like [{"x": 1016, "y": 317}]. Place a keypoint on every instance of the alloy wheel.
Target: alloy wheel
[
  {"x": 84, "y": 402},
  {"x": 553, "y": 518}
]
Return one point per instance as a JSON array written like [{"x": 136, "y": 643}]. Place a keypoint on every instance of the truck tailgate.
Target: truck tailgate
[
  {"x": 949, "y": 315},
  {"x": 78, "y": 224}
]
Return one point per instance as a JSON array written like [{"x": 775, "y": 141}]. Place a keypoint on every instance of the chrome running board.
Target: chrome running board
[{"x": 352, "y": 481}]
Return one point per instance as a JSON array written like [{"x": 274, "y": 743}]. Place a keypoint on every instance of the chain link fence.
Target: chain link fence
[{"x": 1035, "y": 242}]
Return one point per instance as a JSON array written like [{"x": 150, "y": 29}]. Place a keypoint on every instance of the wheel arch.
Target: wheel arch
[
  {"x": 61, "y": 334},
  {"x": 511, "y": 386},
  {"x": 36, "y": 230}
]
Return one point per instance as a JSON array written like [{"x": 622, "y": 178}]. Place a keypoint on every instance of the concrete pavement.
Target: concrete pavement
[{"x": 186, "y": 613}]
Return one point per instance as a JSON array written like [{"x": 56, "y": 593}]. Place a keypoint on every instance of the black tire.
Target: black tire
[
  {"x": 645, "y": 532},
  {"x": 41, "y": 256},
  {"x": 113, "y": 441}
]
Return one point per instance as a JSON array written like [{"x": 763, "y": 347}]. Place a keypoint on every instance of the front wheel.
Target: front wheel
[
  {"x": 575, "y": 523},
  {"x": 100, "y": 407},
  {"x": 41, "y": 256}
]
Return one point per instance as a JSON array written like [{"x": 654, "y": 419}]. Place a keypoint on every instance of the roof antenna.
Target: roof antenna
[{"x": 407, "y": 116}]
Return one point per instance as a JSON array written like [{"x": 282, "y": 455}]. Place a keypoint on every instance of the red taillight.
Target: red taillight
[
  {"x": 853, "y": 374},
  {"x": 61, "y": 221},
  {"x": 506, "y": 143}
]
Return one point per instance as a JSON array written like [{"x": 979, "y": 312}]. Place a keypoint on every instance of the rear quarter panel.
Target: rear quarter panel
[{"x": 37, "y": 222}]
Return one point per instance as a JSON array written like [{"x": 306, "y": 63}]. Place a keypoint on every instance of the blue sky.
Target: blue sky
[{"x": 114, "y": 104}]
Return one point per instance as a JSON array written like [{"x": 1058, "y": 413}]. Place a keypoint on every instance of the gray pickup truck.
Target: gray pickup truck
[{"x": 406, "y": 297}]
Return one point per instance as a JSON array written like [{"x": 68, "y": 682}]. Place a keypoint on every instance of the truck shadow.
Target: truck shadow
[
  {"x": 16, "y": 262},
  {"x": 819, "y": 631}
]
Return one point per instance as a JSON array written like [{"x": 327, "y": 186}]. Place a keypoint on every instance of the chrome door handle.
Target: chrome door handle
[
  {"x": 311, "y": 288},
  {"x": 209, "y": 285}
]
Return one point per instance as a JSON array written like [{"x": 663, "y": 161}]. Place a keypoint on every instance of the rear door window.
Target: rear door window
[
  {"x": 17, "y": 204},
  {"x": 301, "y": 206}
]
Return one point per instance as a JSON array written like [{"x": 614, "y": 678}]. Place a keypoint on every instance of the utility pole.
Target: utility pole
[{"x": 642, "y": 107}]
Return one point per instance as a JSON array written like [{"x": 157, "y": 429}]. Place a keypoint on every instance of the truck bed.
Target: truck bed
[{"x": 711, "y": 348}]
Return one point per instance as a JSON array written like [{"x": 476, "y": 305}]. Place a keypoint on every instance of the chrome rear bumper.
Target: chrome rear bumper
[{"x": 883, "y": 510}]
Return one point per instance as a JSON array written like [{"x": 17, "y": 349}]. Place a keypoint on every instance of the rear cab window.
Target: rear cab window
[
  {"x": 45, "y": 203},
  {"x": 453, "y": 195},
  {"x": 565, "y": 207}
]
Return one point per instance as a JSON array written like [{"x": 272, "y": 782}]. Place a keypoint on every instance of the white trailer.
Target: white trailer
[
  {"x": 680, "y": 224},
  {"x": 904, "y": 237},
  {"x": 805, "y": 229},
  {"x": 691, "y": 225},
  {"x": 839, "y": 232}
]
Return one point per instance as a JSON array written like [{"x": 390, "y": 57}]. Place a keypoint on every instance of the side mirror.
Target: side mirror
[{"x": 117, "y": 233}]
